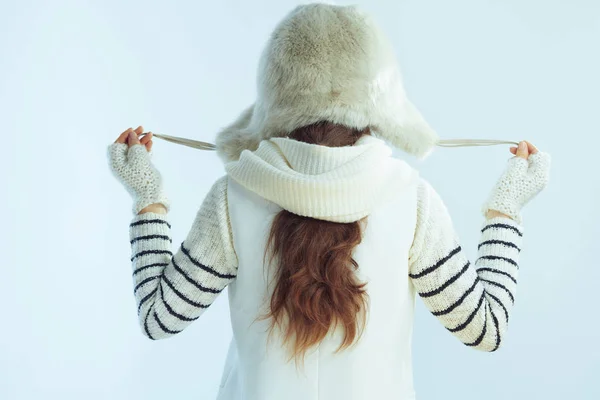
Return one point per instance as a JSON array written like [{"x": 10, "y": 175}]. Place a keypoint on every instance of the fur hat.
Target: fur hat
[{"x": 333, "y": 63}]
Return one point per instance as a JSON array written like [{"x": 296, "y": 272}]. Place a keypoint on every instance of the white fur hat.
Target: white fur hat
[{"x": 332, "y": 63}]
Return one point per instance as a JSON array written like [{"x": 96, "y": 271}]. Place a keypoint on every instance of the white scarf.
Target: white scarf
[{"x": 339, "y": 184}]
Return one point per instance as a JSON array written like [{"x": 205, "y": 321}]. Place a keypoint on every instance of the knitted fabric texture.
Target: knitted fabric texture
[
  {"x": 334, "y": 184},
  {"x": 173, "y": 290},
  {"x": 473, "y": 301},
  {"x": 133, "y": 168},
  {"x": 520, "y": 182}
]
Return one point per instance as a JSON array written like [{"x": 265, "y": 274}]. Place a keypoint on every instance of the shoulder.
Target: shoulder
[
  {"x": 220, "y": 185},
  {"x": 214, "y": 205},
  {"x": 426, "y": 193},
  {"x": 430, "y": 205},
  {"x": 217, "y": 193},
  {"x": 212, "y": 228}
]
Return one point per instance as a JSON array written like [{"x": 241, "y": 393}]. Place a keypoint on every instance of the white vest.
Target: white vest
[{"x": 378, "y": 366}]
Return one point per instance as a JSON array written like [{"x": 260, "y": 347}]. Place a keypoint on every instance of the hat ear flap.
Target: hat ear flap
[
  {"x": 408, "y": 130},
  {"x": 235, "y": 138}
]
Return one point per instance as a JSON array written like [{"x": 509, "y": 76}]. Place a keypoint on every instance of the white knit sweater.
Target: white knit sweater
[{"x": 472, "y": 300}]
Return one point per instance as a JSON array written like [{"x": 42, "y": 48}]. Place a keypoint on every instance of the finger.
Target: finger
[
  {"x": 532, "y": 149},
  {"x": 146, "y": 138},
  {"x": 132, "y": 139},
  {"x": 513, "y": 150},
  {"x": 149, "y": 146},
  {"x": 522, "y": 150},
  {"x": 123, "y": 136},
  {"x": 139, "y": 130}
]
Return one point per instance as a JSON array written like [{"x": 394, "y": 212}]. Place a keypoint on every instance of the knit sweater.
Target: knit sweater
[{"x": 473, "y": 301}]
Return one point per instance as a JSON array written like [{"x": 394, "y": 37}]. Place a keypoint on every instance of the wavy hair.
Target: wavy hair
[{"x": 316, "y": 287}]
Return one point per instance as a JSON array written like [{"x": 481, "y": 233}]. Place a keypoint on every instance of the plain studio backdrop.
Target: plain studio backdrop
[{"x": 75, "y": 74}]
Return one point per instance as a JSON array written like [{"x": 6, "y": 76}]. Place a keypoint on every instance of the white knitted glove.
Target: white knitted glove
[
  {"x": 133, "y": 168},
  {"x": 520, "y": 182}
]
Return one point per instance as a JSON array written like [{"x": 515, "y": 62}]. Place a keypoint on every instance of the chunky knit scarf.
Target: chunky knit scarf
[{"x": 340, "y": 184}]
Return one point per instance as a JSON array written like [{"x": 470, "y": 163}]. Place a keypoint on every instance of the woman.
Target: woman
[{"x": 321, "y": 236}]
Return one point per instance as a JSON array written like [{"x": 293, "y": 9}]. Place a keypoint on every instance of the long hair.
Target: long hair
[{"x": 316, "y": 287}]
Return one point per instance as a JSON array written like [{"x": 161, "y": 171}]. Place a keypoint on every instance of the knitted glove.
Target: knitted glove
[
  {"x": 521, "y": 181},
  {"x": 133, "y": 168}
]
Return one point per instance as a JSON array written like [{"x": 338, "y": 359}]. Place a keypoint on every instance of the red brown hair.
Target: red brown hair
[{"x": 316, "y": 287}]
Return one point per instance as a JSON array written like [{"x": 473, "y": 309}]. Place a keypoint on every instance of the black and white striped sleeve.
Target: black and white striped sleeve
[
  {"x": 473, "y": 302},
  {"x": 170, "y": 290}
]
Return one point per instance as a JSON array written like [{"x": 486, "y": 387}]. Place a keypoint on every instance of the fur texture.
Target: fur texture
[{"x": 328, "y": 62}]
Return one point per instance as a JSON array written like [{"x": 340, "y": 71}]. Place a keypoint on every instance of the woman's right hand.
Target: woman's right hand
[{"x": 525, "y": 176}]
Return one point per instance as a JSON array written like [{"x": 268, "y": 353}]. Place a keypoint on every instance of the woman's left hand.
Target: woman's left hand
[{"x": 129, "y": 160}]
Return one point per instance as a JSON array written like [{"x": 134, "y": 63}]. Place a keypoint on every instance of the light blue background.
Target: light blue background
[{"x": 74, "y": 74}]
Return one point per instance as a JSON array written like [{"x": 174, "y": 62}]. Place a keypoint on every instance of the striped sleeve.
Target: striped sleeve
[
  {"x": 172, "y": 290},
  {"x": 472, "y": 301}
]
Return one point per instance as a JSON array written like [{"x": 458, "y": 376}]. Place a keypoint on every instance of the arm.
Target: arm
[
  {"x": 170, "y": 290},
  {"x": 473, "y": 301}
]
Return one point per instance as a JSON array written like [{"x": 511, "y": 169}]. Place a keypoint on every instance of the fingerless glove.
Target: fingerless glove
[
  {"x": 133, "y": 168},
  {"x": 521, "y": 181}
]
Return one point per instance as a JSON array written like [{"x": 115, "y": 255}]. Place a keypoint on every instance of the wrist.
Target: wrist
[
  {"x": 158, "y": 203},
  {"x": 490, "y": 214},
  {"x": 157, "y": 208}
]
